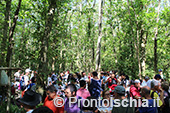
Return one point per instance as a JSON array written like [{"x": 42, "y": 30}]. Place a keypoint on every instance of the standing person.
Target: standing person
[
  {"x": 17, "y": 75},
  {"x": 32, "y": 75},
  {"x": 83, "y": 92},
  {"x": 17, "y": 79},
  {"x": 124, "y": 80},
  {"x": 84, "y": 76},
  {"x": 70, "y": 91},
  {"x": 95, "y": 85},
  {"x": 26, "y": 76},
  {"x": 158, "y": 77},
  {"x": 161, "y": 74},
  {"x": 119, "y": 93},
  {"x": 30, "y": 100},
  {"x": 49, "y": 82},
  {"x": 148, "y": 81},
  {"x": 155, "y": 89},
  {"x": 54, "y": 78},
  {"x": 32, "y": 85},
  {"x": 112, "y": 82},
  {"x": 151, "y": 108},
  {"x": 49, "y": 100},
  {"x": 135, "y": 90},
  {"x": 166, "y": 104}
]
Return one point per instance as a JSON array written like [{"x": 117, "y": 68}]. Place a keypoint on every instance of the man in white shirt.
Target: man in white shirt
[
  {"x": 26, "y": 76},
  {"x": 17, "y": 75},
  {"x": 147, "y": 82}
]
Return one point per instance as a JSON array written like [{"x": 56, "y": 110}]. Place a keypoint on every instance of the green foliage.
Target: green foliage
[
  {"x": 14, "y": 109},
  {"x": 73, "y": 37}
]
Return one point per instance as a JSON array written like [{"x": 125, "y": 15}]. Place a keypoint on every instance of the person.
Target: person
[
  {"x": 119, "y": 93},
  {"x": 124, "y": 80},
  {"x": 104, "y": 78},
  {"x": 73, "y": 81},
  {"x": 32, "y": 85},
  {"x": 166, "y": 104},
  {"x": 112, "y": 82},
  {"x": 148, "y": 81},
  {"x": 83, "y": 92},
  {"x": 70, "y": 91},
  {"x": 155, "y": 89},
  {"x": 84, "y": 76},
  {"x": 157, "y": 77},
  {"x": 152, "y": 108},
  {"x": 105, "y": 105},
  {"x": 54, "y": 78},
  {"x": 95, "y": 85},
  {"x": 49, "y": 82},
  {"x": 32, "y": 74},
  {"x": 30, "y": 100},
  {"x": 42, "y": 109},
  {"x": 49, "y": 100},
  {"x": 88, "y": 108},
  {"x": 26, "y": 76},
  {"x": 161, "y": 73},
  {"x": 135, "y": 90},
  {"x": 17, "y": 75}
]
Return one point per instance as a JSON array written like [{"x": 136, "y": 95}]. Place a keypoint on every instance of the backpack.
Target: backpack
[
  {"x": 95, "y": 88},
  {"x": 152, "y": 96}
]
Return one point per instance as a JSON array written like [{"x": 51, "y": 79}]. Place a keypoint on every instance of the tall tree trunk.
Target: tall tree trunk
[
  {"x": 138, "y": 53},
  {"x": 48, "y": 26},
  {"x": 155, "y": 40},
  {"x": 100, "y": 36},
  {"x": 143, "y": 52},
  {"x": 5, "y": 33},
  {"x": 9, "y": 52}
]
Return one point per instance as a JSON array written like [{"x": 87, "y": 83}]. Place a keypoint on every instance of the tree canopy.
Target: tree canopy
[{"x": 63, "y": 35}]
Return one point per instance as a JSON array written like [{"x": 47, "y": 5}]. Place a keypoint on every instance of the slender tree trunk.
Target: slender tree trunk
[
  {"x": 5, "y": 33},
  {"x": 143, "y": 53},
  {"x": 47, "y": 31},
  {"x": 100, "y": 36},
  {"x": 155, "y": 40},
  {"x": 9, "y": 52}
]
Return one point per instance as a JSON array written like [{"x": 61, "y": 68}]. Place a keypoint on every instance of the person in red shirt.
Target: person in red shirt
[
  {"x": 135, "y": 90},
  {"x": 112, "y": 82},
  {"x": 49, "y": 100}
]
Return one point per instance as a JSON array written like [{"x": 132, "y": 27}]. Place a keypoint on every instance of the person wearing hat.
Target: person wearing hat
[
  {"x": 161, "y": 73},
  {"x": 135, "y": 90},
  {"x": 119, "y": 93},
  {"x": 30, "y": 100}
]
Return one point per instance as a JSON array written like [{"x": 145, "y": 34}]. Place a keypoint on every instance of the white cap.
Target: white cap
[
  {"x": 27, "y": 70},
  {"x": 137, "y": 81}
]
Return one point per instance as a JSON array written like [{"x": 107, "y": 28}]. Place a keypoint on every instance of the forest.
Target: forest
[{"x": 131, "y": 36}]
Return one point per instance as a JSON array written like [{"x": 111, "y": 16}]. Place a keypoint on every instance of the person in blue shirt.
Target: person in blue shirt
[{"x": 151, "y": 103}]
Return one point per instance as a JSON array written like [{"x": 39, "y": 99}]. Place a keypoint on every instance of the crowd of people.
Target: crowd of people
[{"x": 92, "y": 86}]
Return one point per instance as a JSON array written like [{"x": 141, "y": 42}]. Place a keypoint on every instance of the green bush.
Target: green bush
[{"x": 13, "y": 108}]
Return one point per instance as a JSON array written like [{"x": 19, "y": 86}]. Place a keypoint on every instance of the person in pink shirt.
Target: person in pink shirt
[{"x": 83, "y": 92}]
